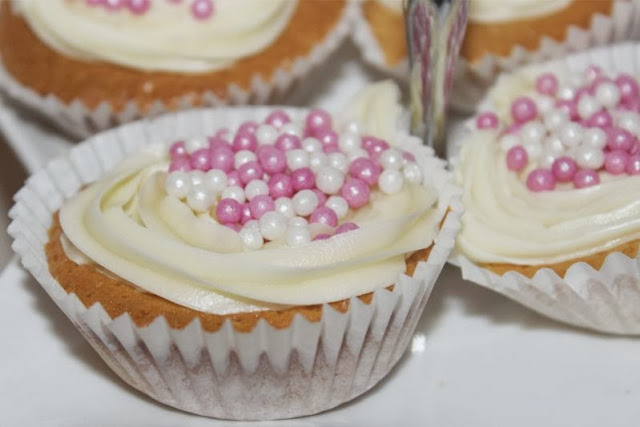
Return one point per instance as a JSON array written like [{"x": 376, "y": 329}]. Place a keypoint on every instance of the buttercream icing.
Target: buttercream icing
[{"x": 507, "y": 10}]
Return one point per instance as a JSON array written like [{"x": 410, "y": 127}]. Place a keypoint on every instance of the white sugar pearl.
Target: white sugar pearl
[
  {"x": 297, "y": 221},
  {"x": 630, "y": 121},
  {"x": 534, "y": 150},
  {"x": 273, "y": 225},
  {"x": 353, "y": 126},
  {"x": 197, "y": 177},
  {"x": 339, "y": 205},
  {"x": 216, "y": 181},
  {"x": 546, "y": 160},
  {"x": 544, "y": 103},
  {"x": 329, "y": 180},
  {"x": 553, "y": 145},
  {"x": 349, "y": 141},
  {"x": 242, "y": 157},
  {"x": 199, "y": 199},
  {"x": 310, "y": 144},
  {"x": 297, "y": 159},
  {"x": 532, "y": 132},
  {"x": 589, "y": 157},
  {"x": 508, "y": 141},
  {"x": 284, "y": 205},
  {"x": 571, "y": 134},
  {"x": 305, "y": 202},
  {"x": 391, "y": 159},
  {"x": 266, "y": 134},
  {"x": 608, "y": 94},
  {"x": 256, "y": 187},
  {"x": 339, "y": 161},
  {"x": 251, "y": 238},
  {"x": 588, "y": 106},
  {"x": 252, "y": 223},
  {"x": 594, "y": 138},
  {"x": 412, "y": 173},
  {"x": 566, "y": 93},
  {"x": 317, "y": 160},
  {"x": 555, "y": 118},
  {"x": 193, "y": 144},
  {"x": 296, "y": 236},
  {"x": 292, "y": 128},
  {"x": 390, "y": 181},
  {"x": 357, "y": 153},
  {"x": 234, "y": 192},
  {"x": 178, "y": 184}
]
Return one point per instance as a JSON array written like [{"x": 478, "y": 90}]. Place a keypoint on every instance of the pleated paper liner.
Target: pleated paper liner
[{"x": 267, "y": 373}]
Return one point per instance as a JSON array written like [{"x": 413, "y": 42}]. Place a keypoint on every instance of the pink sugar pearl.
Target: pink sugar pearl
[
  {"x": 346, "y": 226},
  {"x": 633, "y": 165},
  {"x": 586, "y": 178},
  {"x": 628, "y": 87},
  {"x": 329, "y": 140},
  {"x": 322, "y": 236},
  {"x": 280, "y": 185},
  {"x": 249, "y": 126},
  {"x": 228, "y": 211},
  {"x": 592, "y": 72},
  {"x": 564, "y": 169},
  {"x": 202, "y": 9},
  {"x": 271, "y": 159},
  {"x": 615, "y": 162},
  {"x": 356, "y": 192},
  {"x": 523, "y": 109},
  {"x": 367, "y": 141},
  {"x": 113, "y": 4},
  {"x": 201, "y": 159},
  {"x": 222, "y": 158},
  {"x": 322, "y": 198},
  {"x": 219, "y": 141},
  {"x": 365, "y": 170},
  {"x": 513, "y": 128},
  {"x": 324, "y": 215},
  {"x": 547, "y": 84},
  {"x": 260, "y": 205},
  {"x": 376, "y": 148},
  {"x": 246, "y": 214},
  {"x": 178, "y": 149},
  {"x": 250, "y": 171},
  {"x": 138, "y": 7},
  {"x": 244, "y": 140},
  {"x": 180, "y": 164},
  {"x": 233, "y": 179},
  {"x": 303, "y": 179},
  {"x": 635, "y": 148},
  {"x": 487, "y": 120},
  {"x": 601, "y": 119},
  {"x": 620, "y": 139},
  {"x": 517, "y": 158},
  {"x": 277, "y": 119},
  {"x": 287, "y": 142},
  {"x": 541, "y": 180},
  {"x": 569, "y": 106},
  {"x": 317, "y": 121}
]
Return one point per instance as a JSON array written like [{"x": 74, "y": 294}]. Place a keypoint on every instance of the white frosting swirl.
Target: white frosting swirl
[
  {"x": 128, "y": 224},
  {"x": 490, "y": 11},
  {"x": 165, "y": 38},
  {"x": 504, "y": 222}
]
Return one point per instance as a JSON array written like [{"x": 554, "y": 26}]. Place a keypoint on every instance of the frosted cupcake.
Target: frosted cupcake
[
  {"x": 503, "y": 35},
  {"x": 92, "y": 64},
  {"x": 550, "y": 172},
  {"x": 275, "y": 268}
]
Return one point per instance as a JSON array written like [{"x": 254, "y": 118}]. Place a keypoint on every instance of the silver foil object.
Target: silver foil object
[{"x": 434, "y": 33}]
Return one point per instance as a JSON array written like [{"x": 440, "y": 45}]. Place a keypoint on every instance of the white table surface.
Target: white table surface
[{"x": 477, "y": 358}]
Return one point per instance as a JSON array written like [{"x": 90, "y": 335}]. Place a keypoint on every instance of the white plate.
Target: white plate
[{"x": 476, "y": 358}]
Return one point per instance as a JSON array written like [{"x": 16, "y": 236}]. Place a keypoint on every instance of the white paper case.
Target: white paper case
[
  {"x": 79, "y": 121},
  {"x": 471, "y": 81},
  {"x": 607, "y": 299},
  {"x": 265, "y": 374}
]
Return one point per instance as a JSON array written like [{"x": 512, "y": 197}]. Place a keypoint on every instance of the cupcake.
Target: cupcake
[
  {"x": 257, "y": 265},
  {"x": 550, "y": 169},
  {"x": 90, "y": 65},
  {"x": 525, "y": 31},
  {"x": 380, "y": 35}
]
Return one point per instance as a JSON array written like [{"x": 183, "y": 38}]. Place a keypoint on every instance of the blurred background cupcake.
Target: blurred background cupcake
[{"x": 92, "y": 64}]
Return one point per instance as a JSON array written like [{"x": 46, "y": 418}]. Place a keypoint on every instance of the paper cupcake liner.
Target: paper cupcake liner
[
  {"x": 267, "y": 373},
  {"x": 605, "y": 300},
  {"x": 471, "y": 81},
  {"x": 371, "y": 51},
  {"x": 80, "y": 121}
]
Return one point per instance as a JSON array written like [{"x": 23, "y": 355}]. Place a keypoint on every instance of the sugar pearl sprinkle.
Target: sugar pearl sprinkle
[
  {"x": 568, "y": 134},
  {"x": 200, "y": 10},
  {"x": 284, "y": 180}
]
